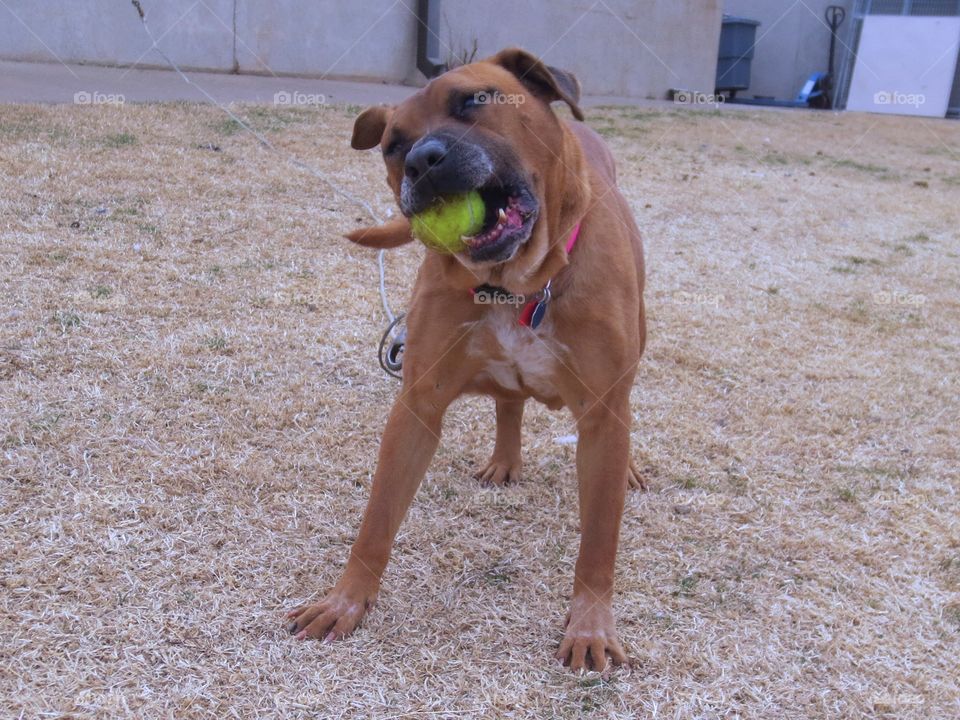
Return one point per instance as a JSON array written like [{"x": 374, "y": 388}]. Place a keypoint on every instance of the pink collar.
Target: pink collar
[
  {"x": 574, "y": 236},
  {"x": 531, "y": 315}
]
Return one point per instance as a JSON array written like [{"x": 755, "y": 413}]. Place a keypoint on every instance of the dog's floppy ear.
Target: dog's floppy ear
[
  {"x": 391, "y": 234},
  {"x": 546, "y": 82},
  {"x": 369, "y": 126},
  {"x": 367, "y": 131}
]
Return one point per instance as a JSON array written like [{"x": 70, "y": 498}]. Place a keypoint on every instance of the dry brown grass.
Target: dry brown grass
[{"x": 190, "y": 407}]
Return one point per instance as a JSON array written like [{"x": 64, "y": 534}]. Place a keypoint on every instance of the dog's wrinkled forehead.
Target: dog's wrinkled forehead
[
  {"x": 499, "y": 94},
  {"x": 481, "y": 83},
  {"x": 467, "y": 102}
]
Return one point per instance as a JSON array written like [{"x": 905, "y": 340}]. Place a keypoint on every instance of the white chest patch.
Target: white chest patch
[{"x": 516, "y": 357}]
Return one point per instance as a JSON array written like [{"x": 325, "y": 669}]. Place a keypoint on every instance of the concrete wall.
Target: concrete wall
[
  {"x": 638, "y": 48},
  {"x": 109, "y": 32},
  {"x": 374, "y": 39},
  {"x": 793, "y": 42}
]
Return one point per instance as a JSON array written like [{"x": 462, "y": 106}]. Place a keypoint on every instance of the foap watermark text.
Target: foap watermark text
[
  {"x": 483, "y": 296},
  {"x": 690, "y": 97},
  {"x": 892, "y": 297},
  {"x": 286, "y": 97},
  {"x": 682, "y": 297},
  {"x": 894, "y": 98},
  {"x": 495, "y": 97},
  {"x": 85, "y": 97}
]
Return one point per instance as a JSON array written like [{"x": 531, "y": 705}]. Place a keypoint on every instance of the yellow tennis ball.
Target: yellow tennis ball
[{"x": 440, "y": 226}]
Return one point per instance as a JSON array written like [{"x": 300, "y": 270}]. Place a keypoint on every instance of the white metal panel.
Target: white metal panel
[{"x": 905, "y": 65}]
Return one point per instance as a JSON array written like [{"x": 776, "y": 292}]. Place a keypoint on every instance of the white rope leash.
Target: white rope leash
[
  {"x": 350, "y": 197},
  {"x": 383, "y": 287}
]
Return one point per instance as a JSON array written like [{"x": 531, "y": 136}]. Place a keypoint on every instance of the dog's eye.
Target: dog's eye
[
  {"x": 393, "y": 147},
  {"x": 471, "y": 102}
]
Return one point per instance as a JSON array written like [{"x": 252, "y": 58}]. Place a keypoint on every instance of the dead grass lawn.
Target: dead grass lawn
[{"x": 190, "y": 407}]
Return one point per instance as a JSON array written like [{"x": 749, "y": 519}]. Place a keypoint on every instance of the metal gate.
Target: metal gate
[{"x": 851, "y": 39}]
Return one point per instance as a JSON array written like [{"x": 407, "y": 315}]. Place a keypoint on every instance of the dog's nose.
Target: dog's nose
[{"x": 423, "y": 157}]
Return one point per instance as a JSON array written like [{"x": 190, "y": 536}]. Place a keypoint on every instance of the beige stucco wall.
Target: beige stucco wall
[{"x": 637, "y": 48}]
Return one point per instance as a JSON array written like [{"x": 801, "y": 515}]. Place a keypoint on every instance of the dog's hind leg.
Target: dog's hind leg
[
  {"x": 505, "y": 464},
  {"x": 635, "y": 479}
]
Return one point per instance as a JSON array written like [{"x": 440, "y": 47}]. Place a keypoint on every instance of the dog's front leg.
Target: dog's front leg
[
  {"x": 603, "y": 453},
  {"x": 409, "y": 442}
]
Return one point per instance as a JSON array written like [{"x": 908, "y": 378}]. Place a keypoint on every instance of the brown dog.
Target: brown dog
[{"x": 489, "y": 126}]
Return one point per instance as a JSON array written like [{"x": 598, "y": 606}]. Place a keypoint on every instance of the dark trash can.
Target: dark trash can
[{"x": 737, "y": 37}]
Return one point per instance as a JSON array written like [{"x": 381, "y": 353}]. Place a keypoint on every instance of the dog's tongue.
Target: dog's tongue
[{"x": 507, "y": 218}]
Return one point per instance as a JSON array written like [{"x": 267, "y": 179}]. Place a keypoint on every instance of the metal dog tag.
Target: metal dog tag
[{"x": 538, "y": 313}]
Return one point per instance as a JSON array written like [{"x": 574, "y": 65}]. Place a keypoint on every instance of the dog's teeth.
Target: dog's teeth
[{"x": 503, "y": 216}]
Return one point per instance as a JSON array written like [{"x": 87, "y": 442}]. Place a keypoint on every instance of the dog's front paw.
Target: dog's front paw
[
  {"x": 590, "y": 636},
  {"x": 334, "y": 617}
]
